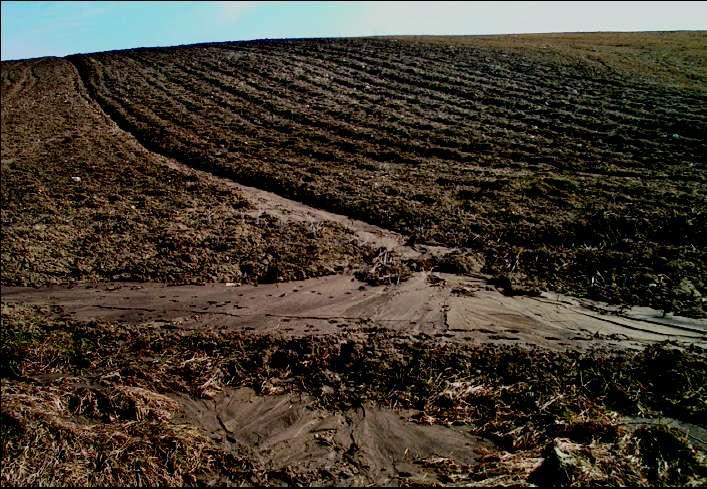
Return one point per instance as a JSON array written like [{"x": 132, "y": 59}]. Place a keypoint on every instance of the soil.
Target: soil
[
  {"x": 567, "y": 173},
  {"x": 341, "y": 303},
  {"x": 675, "y": 59},
  {"x": 84, "y": 202},
  {"x": 357, "y": 407},
  {"x": 355, "y": 446},
  {"x": 399, "y": 261}
]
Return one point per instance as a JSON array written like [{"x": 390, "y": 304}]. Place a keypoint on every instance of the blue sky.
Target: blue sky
[{"x": 33, "y": 29}]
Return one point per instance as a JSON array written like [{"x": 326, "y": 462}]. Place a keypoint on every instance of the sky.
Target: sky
[{"x": 34, "y": 29}]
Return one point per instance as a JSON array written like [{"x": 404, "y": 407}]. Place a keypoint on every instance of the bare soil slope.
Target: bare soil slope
[
  {"x": 166, "y": 320},
  {"x": 675, "y": 59},
  {"x": 566, "y": 172},
  {"x": 83, "y": 202}
]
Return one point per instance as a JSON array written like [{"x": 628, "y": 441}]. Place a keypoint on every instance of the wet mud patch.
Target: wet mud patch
[{"x": 291, "y": 432}]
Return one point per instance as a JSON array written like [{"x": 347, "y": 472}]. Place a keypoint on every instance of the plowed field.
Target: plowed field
[
  {"x": 341, "y": 262},
  {"x": 566, "y": 174},
  {"x": 84, "y": 202}
]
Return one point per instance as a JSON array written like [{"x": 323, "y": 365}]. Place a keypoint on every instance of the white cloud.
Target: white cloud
[
  {"x": 379, "y": 18},
  {"x": 234, "y": 10}
]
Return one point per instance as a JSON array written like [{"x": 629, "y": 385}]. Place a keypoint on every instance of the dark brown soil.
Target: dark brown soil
[
  {"x": 83, "y": 202},
  {"x": 674, "y": 59},
  {"x": 568, "y": 173}
]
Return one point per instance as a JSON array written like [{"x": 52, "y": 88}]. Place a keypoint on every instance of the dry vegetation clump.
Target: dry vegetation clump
[
  {"x": 61, "y": 435},
  {"x": 459, "y": 262},
  {"x": 384, "y": 267},
  {"x": 541, "y": 408},
  {"x": 65, "y": 423}
]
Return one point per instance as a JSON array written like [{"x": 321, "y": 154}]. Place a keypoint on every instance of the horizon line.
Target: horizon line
[{"x": 377, "y": 36}]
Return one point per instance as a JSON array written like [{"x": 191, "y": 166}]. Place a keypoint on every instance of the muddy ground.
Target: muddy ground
[
  {"x": 453, "y": 307},
  {"x": 147, "y": 402},
  {"x": 354, "y": 262}
]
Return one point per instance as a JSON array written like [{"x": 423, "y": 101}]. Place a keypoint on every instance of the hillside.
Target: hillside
[
  {"x": 84, "y": 202},
  {"x": 567, "y": 174},
  {"x": 374, "y": 261}
]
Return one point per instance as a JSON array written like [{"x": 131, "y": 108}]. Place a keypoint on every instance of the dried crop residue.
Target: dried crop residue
[{"x": 358, "y": 408}]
